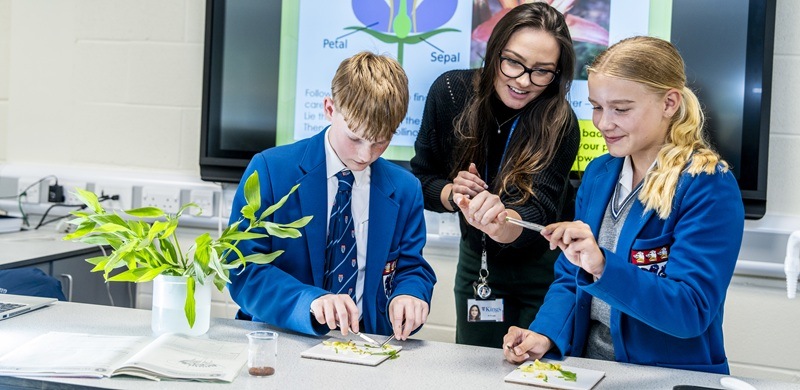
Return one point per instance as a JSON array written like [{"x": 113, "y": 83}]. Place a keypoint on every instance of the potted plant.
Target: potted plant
[{"x": 146, "y": 245}]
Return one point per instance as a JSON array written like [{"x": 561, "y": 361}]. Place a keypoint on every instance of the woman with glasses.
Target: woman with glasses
[{"x": 499, "y": 142}]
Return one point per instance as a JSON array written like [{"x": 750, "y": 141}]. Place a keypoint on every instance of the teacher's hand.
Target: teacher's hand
[{"x": 468, "y": 183}]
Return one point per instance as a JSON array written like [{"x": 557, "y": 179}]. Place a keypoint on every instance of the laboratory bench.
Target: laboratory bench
[{"x": 421, "y": 364}]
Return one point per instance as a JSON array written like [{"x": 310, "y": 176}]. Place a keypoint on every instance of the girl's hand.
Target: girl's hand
[{"x": 578, "y": 245}]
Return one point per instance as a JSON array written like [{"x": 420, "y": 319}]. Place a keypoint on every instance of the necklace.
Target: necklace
[{"x": 500, "y": 125}]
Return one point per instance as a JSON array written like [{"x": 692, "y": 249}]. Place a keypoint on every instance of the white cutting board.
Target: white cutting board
[
  {"x": 585, "y": 378},
  {"x": 346, "y": 355}
]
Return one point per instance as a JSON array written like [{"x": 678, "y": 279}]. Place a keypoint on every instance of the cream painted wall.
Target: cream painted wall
[
  {"x": 123, "y": 78},
  {"x": 5, "y": 35},
  {"x": 120, "y": 78}
]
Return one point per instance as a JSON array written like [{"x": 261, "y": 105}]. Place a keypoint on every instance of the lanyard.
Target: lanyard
[
  {"x": 505, "y": 149},
  {"x": 481, "y": 287}
]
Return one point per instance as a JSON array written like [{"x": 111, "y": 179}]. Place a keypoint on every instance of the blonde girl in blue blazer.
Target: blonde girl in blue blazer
[{"x": 657, "y": 230}]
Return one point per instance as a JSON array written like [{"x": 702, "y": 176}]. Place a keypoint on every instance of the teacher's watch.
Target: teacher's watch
[{"x": 453, "y": 203}]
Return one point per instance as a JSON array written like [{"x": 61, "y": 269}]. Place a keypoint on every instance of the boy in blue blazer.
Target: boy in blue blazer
[{"x": 393, "y": 282}]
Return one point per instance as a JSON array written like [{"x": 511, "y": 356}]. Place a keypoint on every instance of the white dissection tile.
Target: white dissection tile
[
  {"x": 141, "y": 20},
  {"x": 166, "y": 74},
  {"x": 139, "y": 136},
  {"x": 195, "y": 21},
  {"x": 101, "y": 71}
]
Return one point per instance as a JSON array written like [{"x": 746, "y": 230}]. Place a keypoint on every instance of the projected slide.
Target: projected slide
[
  {"x": 429, "y": 37},
  {"x": 426, "y": 37}
]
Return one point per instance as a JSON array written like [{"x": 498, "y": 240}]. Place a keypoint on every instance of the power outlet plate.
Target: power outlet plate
[
  {"x": 165, "y": 198},
  {"x": 32, "y": 194},
  {"x": 70, "y": 189},
  {"x": 125, "y": 194},
  {"x": 204, "y": 199}
]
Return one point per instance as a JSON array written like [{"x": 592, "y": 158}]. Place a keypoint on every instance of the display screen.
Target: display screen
[{"x": 269, "y": 64}]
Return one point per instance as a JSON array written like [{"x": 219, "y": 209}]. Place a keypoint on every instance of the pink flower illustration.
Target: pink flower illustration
[{"x": 582, "y": 30}]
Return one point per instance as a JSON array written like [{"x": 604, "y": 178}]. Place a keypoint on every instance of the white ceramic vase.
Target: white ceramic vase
[{"x": 169, "y": 298}]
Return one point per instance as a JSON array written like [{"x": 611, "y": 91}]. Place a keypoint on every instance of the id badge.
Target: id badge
[{"x": 485, "y": 310}]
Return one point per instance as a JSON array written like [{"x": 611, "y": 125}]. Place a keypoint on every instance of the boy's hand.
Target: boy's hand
[
  {"x": 333, "y": 309},
  {"x": 406, "y": 314}
]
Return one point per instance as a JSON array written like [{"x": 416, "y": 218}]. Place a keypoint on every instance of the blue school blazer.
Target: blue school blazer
[
  {"x": 666, "y": 281},
  {"x": 280, "y": 293}
]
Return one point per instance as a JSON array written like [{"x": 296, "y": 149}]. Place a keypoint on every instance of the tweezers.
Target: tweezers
[
  {"x": 387, "y": 340},
  {"x": 525, "y": 224}
]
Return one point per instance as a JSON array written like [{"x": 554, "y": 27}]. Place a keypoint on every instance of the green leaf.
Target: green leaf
[
  {"x": 131, "y": 275},
  {"x": 96, "y": 240},
  {"x": 146, "y": 212},
  {"x": 569, "y": 376},
  {"x": 189, "y": 205},
  {"x": 302, "y": 222},
  {"x": 242, "y": 236},
  {"x": 111, "y": 228},
  {"x": 216, "y": 265},
  {"x": 101, "y": 219},
  {"x": 151, "y": 274},
  {"x": 221, "y": 283},
  {"x": 262, "y": 258},
  {"x": 90, "y": 199},
  {"x": 271, "y": 209},
  {"x": 156, "y": 228},
  {"x": 276, "y": 230},
  {"x": 189, "y": 307},
  {"x": 252, "y": 194},
  {"x": 173, "y": 224},
  {"x": 81, "y": 231},
  {"x": 99, "y": 263},
  {"x": 169, "y": 254}
]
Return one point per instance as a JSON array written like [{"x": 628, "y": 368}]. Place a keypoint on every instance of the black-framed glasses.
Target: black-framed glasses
[{"x": 540, "y": 77}]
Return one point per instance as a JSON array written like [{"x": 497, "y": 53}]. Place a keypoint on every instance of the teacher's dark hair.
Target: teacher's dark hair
[{"x": 544, "y": 120}]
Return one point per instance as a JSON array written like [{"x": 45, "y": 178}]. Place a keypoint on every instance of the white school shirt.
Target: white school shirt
[
  {"x": 359, "y": 206},
  {"x": 626, "y": 179}
]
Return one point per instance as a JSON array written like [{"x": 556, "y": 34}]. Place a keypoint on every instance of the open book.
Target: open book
[{"x": 169, "y": 356}]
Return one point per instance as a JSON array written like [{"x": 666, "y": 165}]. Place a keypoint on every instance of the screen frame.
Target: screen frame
[{"x": 229, "y": 167}]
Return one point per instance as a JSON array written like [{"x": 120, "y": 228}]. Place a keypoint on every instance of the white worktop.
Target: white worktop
[{"x": 422, "y": 364}]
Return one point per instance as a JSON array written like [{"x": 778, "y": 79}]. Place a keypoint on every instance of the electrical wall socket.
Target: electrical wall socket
[
  {"x": 124, "y": 192},
  {"x": 70, "y": 189},
  {"x": 165, "y": 198},
  {"x": 32, "y": 194},
  {"x": 204, "y": 199}
]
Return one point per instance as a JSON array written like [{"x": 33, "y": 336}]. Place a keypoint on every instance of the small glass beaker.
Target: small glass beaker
[{"x": 262, "y": 353}]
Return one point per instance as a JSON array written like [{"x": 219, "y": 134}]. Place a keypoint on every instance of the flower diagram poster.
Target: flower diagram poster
[{"x": 430, "y": 37}]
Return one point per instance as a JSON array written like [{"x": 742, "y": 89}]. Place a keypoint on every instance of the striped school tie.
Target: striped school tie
[{"x": 341, "y": 266}]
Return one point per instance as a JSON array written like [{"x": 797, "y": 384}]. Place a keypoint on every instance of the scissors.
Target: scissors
[{"x": 528, "y": 225}]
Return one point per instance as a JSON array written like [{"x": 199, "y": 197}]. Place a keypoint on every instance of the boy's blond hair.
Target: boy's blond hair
[{"x": 371, "y": 92}]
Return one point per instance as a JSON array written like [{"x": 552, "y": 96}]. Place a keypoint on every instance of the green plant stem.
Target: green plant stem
[{"x": 182, "y": 260}]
